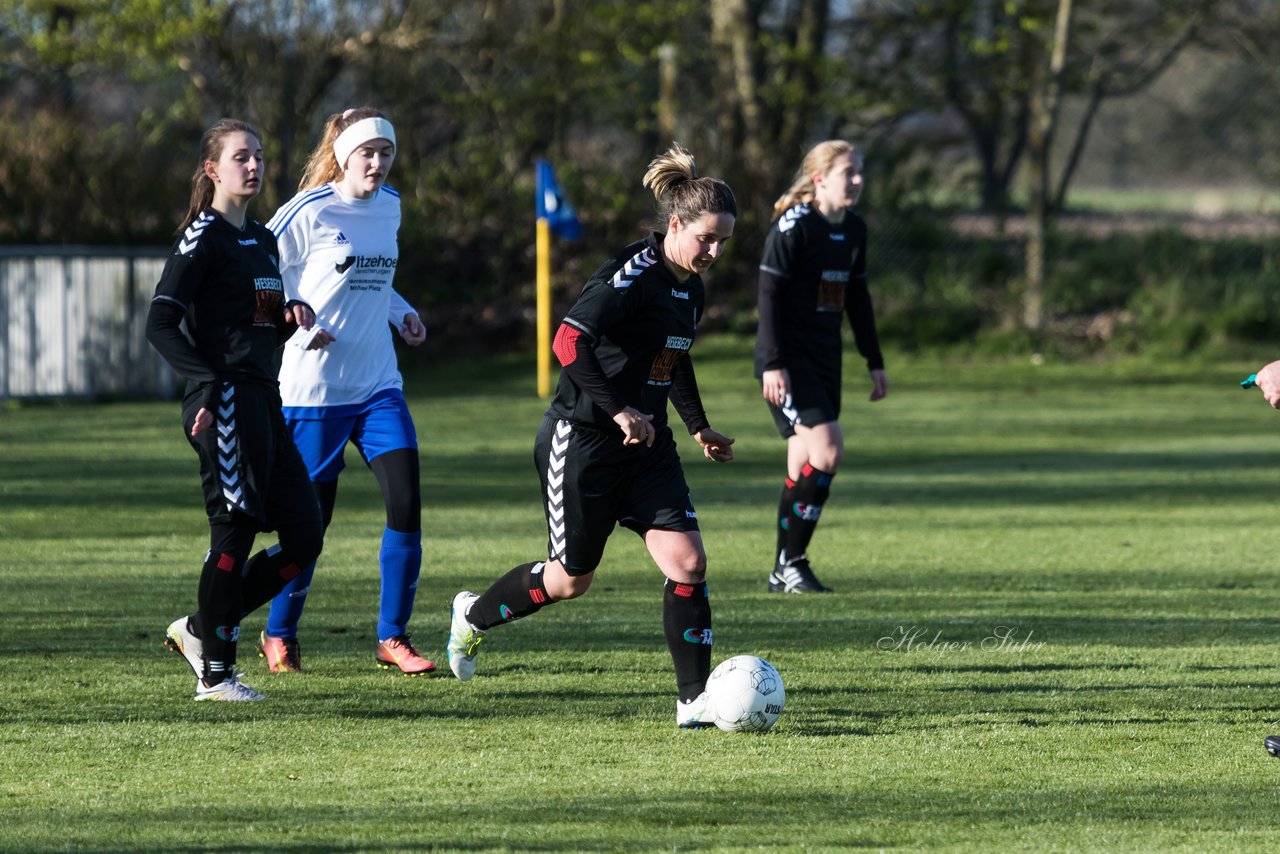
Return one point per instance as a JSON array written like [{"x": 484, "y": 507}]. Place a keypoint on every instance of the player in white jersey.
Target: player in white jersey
[{"x": 338, "y": 246}]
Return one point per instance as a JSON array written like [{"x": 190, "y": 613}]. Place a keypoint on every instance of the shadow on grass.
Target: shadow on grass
[
  {"x": 879, "y": 813},
  {"x": 927, "y": 480}
]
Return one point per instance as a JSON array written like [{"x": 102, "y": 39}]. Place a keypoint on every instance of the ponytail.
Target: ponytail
[
  {"x": 679, "y": 191},
  {"x": 818, "y": 160},
  {"x": 322, "y": 166},
  {"x": 211, "y": 149}
]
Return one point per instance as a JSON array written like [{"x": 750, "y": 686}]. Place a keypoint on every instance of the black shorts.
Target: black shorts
[
  {"x": 248, "y": 462},
  {"x": 813, "y": 400},
  {"x": 591, "y": 481}
]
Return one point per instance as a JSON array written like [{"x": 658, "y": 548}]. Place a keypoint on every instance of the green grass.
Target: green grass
[
  {"x": 1117, "y": 521},
  {"x": 1201, "y": 201}
]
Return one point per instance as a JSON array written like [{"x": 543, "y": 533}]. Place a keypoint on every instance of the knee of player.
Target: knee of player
[
  {"x": 690, "y": 569},
  {"x": 304, "y": 544},
  {"x": 828, "y": 459},
  {"x": 404, "y": 514},
  {"x": 309, "y": 550},
  {"x": 560, "y": 585}
]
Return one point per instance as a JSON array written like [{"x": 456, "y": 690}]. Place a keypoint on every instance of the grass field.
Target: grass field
[{"x": 1055, "y": 630}]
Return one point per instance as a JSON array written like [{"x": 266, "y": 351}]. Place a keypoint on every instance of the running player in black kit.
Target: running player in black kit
[
  {"x": 813, "y": 273},
  {"x": 605, "y": 452},
  {"x": 217, "y": 317}
]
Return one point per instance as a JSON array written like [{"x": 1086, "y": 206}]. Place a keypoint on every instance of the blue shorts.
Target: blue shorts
[{"x": 378, "y": 425}]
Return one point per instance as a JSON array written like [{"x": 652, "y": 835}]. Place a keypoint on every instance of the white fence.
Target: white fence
[{"x": 73, "y": 322}]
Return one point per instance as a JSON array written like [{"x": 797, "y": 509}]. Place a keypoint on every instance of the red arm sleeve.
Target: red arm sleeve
[{"x": 573, "y": 348}]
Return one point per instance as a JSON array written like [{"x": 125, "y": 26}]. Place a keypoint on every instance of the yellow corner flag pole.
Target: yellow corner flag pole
[{"x": 544, "y": 307}]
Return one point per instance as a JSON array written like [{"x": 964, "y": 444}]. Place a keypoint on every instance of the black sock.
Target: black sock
[
  {"x": 784, "y": 519},
  {"x": 517, "y": 594},
  {"x": 265, "y": 575},
  {"x": 686, "y": 621},
  {"x": 220, "y": 608},
  {"x": 807, "y": 499}
]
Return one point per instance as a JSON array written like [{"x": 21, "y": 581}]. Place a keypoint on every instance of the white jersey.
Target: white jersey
[{"x": 339, "y": 255}]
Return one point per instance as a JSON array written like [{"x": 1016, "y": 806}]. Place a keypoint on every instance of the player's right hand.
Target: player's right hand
[
  {"x": 1268, "y": 379},
  {"x": 204, "y": 420},
  {"x": 637, "y": 428},
  {"x": 776, "y": 385}
]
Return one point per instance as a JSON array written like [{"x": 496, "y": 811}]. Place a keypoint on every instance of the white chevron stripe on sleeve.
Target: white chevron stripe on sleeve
[
  {"x": 191, "y": 237},
  {"x": 635, "y": 266}
]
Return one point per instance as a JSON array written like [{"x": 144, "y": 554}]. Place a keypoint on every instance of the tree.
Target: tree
[
  {"x": 1046, "y": 89},
  {"x": 977, "y": 60},
  {"x": 771, "y": 67}
]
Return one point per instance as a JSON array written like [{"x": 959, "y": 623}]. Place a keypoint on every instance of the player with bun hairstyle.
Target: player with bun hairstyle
[
  {"x": 338, "y": 251},
  {"x": 813, "y": 272},
  {"x": 605, "y": 452},
  {"x": 218, "y": 315}
]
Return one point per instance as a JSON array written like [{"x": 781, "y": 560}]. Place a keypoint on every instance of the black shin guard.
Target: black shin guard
[
  {"x": 221, "y": 587},
  {"x": 265, "y": 575},
  {"x": 517, "y": 594},
  {"x": 686, "y": 621},
  {"x": 808, "y": 496},
  {"x": 784, "y": 517}
]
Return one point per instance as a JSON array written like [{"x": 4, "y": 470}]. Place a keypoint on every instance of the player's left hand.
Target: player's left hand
[
  {"x": 412, "y": 330},
  {"x": 880, "y": 385},
  {"x": 715, "y": 446}
]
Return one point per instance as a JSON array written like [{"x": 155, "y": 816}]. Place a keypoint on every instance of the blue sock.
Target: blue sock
[
  {"x": 401, "y": 560},
  {"x": 286, "y": 607}
]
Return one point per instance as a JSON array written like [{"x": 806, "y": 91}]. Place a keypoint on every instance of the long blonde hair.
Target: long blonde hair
[
  {"x": 211, "y": 143},
  {"x": 673, "y": 177},
  {"x": 817, "y": 161},
  {"x": 322, "y": 166}
]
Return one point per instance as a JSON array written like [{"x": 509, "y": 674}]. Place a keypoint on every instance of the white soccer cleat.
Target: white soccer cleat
[
  {"x": 230, "y": 690},
  {"x": 464, "y": 638},
  {"x": 182, "y": 642},
  {"x": 695, "y": 713}
]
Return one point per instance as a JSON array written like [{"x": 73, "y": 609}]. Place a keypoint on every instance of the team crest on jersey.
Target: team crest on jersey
[
  {"x": 664, "y": 364},
  {"x": 831, "y": 290},
  {"x": 270, "y": 293}
]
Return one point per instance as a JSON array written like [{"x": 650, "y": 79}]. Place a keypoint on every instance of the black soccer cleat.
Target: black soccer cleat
[
  {"x": 796, "y": 576},
  {"x": 1273, "y": 745}
]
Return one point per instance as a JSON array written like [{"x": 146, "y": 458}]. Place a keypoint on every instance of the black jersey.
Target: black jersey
[
  {"x": 812, "y": 273},
  {"x": 223, "y": 286},
  {"x": 629, "y": 336}
]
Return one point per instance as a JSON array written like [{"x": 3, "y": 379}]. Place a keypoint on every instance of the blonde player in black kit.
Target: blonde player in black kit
[
  {"x": 605, "y": 452},
  {"x": 813, "y": 273},
  {"x": 217, "y": 317}
]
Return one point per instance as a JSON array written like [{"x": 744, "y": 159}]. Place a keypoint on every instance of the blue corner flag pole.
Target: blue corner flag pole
[{"x": 554, "y": 214}]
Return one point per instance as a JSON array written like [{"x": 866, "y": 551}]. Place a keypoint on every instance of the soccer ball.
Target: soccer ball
[{"x": 745, "y": 694}]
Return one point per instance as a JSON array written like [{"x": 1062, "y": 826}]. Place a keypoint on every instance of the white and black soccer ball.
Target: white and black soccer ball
[{"x": 745, "y": 694}]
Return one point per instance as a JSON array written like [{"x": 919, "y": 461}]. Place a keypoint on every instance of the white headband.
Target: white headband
[{"x": 358, "y": 134}]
